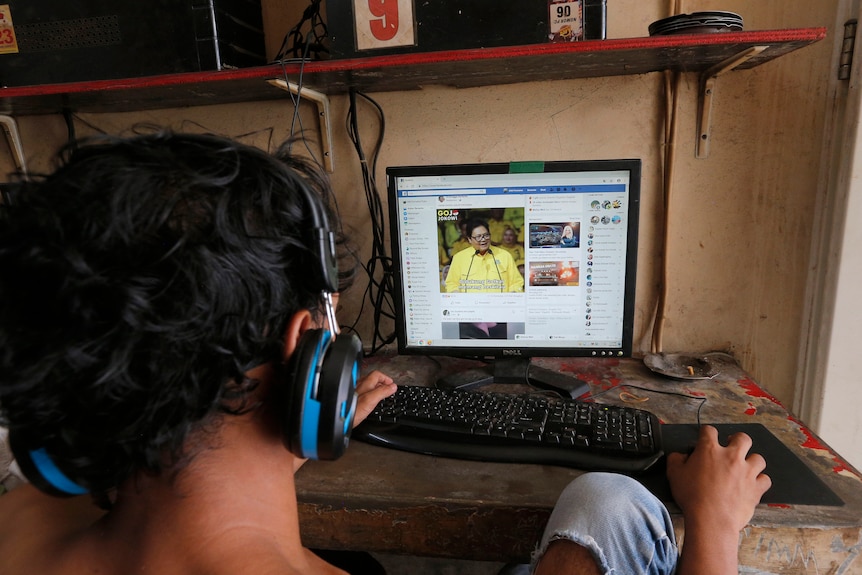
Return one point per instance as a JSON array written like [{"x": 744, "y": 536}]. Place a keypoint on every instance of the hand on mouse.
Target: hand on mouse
[{"x": 717, "y": 489}]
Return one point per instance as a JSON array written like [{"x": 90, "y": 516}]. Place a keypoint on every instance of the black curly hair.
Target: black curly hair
[
  {"x": 474, "y": 223},
  {"x": 139, "y": 282}
]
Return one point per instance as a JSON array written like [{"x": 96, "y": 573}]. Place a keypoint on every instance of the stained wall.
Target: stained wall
[{"x": 741, "y": 220}]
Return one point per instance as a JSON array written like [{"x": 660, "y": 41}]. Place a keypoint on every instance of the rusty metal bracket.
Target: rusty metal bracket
[
  {"x": 708, "y": 81},
  {"x": 322, "y": 101}
]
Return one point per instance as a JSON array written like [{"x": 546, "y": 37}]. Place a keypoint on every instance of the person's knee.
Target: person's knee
[
  {"x": 606, "y": 490},
  {"x": 599, "y": 481},
  {"x": 624, "y": 526},
  {"x": 567, "y": 557},
  {"x": 598, "y": 502}
]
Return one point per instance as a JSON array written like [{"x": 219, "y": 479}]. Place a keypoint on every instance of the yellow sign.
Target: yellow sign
[{"x": 8, "y": 43}]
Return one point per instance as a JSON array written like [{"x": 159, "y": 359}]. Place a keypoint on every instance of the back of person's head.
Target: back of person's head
[{"x": 139, "y": 282}]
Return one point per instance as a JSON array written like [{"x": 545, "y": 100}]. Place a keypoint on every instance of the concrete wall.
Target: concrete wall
[{"x": 740, "y": 221}]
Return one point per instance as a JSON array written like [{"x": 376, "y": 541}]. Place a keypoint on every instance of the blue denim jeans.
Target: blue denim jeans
[{"x": 627, "y": 529}]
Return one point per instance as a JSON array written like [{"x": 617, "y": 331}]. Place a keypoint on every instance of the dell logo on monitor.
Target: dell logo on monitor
[{"x": 511, "y": 352}]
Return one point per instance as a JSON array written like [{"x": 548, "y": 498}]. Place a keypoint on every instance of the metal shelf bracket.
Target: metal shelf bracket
[
  {"x": 708, "y": 81},
  {"x": 322, "y": 101},
  {"x": 10, "y": 126}
]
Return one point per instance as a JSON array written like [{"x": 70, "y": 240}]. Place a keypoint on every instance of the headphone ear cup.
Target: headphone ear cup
[
  {"x": 41, "y": 470},
  {"x": 321, "y": 394},
  {"x": 338, "y": 395}
]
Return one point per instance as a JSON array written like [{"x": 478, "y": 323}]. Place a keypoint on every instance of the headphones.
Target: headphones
[
  {"x": 323, "y": 370},
  {"x": 321, "y": 390},
  {"x": 318, "y": 399},
  {"x": 38, "y": 467}
]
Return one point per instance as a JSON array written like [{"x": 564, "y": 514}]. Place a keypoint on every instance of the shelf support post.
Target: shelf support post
[
  {"x": 322, "y": 101},
  {"x": 708, "y": 81},
  {"x": 14, "y": 139}
]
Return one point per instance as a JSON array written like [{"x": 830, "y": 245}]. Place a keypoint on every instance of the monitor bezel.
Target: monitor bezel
[{"x": 478, "y": 351}]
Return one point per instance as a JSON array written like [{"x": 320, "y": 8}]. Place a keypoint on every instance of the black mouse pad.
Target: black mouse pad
[{"x": 793, "y": 482}]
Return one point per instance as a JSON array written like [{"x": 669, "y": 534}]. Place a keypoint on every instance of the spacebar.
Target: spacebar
[
  {"x": 464, "y": 427},
  {"x": 490, "y": 448}
]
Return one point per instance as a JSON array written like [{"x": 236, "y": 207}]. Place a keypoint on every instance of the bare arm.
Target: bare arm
[{"x": 717, "y": 489}]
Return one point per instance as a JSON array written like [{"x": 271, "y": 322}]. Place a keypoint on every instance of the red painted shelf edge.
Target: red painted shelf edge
[{"x": 807, "y": 35}]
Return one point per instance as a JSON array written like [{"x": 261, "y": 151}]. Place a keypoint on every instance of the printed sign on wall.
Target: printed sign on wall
[
  {"x": 384, "y": 23},
  {"x": 8, "y": 43},
  {"x": 566, "y": 20}
]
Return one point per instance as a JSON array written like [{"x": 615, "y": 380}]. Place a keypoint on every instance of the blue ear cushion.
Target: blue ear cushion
[
  {"x": 42, "y": 471},
  {"x": 321, "y": 394}
]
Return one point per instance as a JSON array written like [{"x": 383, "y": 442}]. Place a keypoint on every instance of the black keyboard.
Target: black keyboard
[{"x": 515, "y": 429}]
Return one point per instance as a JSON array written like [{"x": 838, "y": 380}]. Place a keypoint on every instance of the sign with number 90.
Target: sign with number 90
[{"x": 384, "y": 23}]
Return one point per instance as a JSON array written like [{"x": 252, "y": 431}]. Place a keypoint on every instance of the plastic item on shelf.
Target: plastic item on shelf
[{"x": 697, "y": 23}]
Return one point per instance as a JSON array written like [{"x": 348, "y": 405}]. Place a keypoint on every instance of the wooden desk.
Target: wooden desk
[{"x": 377, "y": 499}]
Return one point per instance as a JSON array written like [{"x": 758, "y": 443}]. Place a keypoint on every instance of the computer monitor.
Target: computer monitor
[{"x": 556, "y": 277}]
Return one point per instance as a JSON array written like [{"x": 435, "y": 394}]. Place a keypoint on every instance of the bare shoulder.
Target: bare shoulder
[
  {"x": 27, "y": 501},
  {"x": 254, "y": 556},
  {"x": 32, "y": 523}
]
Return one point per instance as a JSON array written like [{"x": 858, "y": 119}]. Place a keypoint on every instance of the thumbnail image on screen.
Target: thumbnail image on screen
[
  {"x": 480, "y": 251},
  {"x": 555, "y": 235}
]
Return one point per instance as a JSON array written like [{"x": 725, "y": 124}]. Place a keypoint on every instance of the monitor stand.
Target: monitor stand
[
  {"x": 515, "y": 371},
  {"x": 511, "y": 370}
]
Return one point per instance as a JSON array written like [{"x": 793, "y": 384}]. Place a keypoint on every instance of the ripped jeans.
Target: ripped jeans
[{"x": 627, "y": 529}]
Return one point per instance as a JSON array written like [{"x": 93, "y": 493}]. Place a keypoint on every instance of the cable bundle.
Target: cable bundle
[{"x": 379, "y": 266}]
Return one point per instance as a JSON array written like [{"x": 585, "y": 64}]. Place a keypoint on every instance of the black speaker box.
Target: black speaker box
[
  {"x": 81, "y": 40},
  {"x": 463, "y": 24},
  {"x": 450, "y": 25}
]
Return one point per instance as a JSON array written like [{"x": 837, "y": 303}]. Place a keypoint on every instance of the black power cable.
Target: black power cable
[
  {"x": 299, "y": 45},
  {"x": 379, "y": 290}
]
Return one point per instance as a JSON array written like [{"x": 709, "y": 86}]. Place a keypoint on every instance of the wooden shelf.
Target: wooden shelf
[{"x": 459, "y": 68}]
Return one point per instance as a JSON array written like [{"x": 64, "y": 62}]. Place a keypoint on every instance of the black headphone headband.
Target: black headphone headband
[
  {"x": 323, "y": 370},
  {"x": 322, "y": 241}
]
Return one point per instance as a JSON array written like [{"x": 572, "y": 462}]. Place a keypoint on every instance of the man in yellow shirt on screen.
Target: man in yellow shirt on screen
[{"x": 480, "y": 268}]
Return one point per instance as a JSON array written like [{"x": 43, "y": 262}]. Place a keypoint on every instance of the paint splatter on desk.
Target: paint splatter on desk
[{"x": 382, "y": 500}]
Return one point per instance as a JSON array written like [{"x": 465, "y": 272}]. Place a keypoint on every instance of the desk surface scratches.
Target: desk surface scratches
[{"x": 377, "y": 499}]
